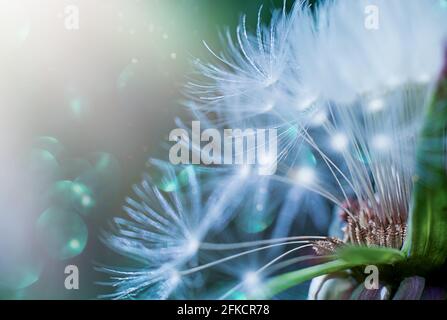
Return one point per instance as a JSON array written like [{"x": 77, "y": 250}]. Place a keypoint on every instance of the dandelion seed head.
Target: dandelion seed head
[
  {"x": 163, "y": 233},
  {"x": 174, "y": 278},
  {"x": 192, "y": 246},
  {"x": 339, "y": 142},
  {"x": 381, "y": 142},
  {"x": 305, "y": 176},
  {"x": 306, "y": 103},
  {"x": 342, "y": 88},
  {"x": 376, "y": 105},
  {"x": 251, "y": 279},
  {"x": 319, "y": 118}
]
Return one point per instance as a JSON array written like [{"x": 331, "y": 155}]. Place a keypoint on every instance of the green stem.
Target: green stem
[{"x": 287, "y": 280}]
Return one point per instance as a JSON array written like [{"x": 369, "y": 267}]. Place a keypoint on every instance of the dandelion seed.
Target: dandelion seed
[
  {"x": 319, "y": 118},
  {"x": 339, "y": 142},
  {"x": 376, "y": 105},
  {"x": 305, "y": 176},
  {"x": 251, "y": 281},
  {"x": 381, "y": 142}
]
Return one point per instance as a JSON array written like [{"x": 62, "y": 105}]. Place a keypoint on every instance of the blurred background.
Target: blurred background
[{"x": 88, "y": 92}]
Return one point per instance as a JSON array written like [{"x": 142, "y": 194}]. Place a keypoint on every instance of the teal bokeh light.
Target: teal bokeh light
[
  {"x": 24, "y": 272},
  {"x": 62, "y": 233},
  {"x": 43, "y": 166},
  {"x": 255, "y": 220},
  {"x": 50, "y": 144}
]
